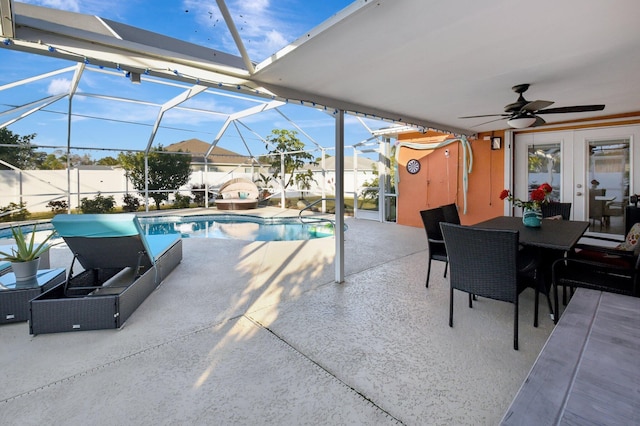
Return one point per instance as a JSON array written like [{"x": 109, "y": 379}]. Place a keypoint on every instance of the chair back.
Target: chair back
[
  {"x": 556, "y": 209},
  {"x": 451, "y": 214},
  {"x": 431, "y": 219},
  {"x": 482, "y": 262},
  {"x": 105, "y": 240},
  {"x": 596, "y": 207},
  {"x": 631, "y": 217}
]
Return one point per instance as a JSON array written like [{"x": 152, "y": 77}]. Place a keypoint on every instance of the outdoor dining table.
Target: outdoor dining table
[
  {"x": 559, "y": 235},
  {"x": 551, "y": 241}
]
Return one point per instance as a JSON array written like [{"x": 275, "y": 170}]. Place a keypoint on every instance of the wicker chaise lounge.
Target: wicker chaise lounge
[
  {"x": 122, "y": 266},
  {"x": 238, "y": 194}
]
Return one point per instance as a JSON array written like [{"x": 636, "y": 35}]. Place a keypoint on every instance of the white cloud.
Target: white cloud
[
  {"x": 58, "y": 86},
  {"x": 70, "y": 5},
  {"x": 80, "y": 6}
]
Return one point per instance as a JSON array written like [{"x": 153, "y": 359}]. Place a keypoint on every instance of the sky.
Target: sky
[{"x": 265, "y": 26}]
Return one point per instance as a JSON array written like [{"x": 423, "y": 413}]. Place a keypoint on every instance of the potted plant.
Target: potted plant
[{"x": 25, "y": 255}]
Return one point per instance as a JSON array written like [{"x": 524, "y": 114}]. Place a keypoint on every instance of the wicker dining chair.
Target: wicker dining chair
[
  {"x": 488, "y": 263},
  {"x": 431, "y": 219},
  {"x": 451, "y": 214},
  {"x": 556, "y": 209},
  {"x": 610, "y": 269}
]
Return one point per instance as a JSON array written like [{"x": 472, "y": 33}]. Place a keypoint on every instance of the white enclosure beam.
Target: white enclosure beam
[
  {"x": 37, "y": 77},
  {"x": 73, "y": 87},
  {"x": 7, "y": 23},
  {"x": 39, "y": 105},
  {"x": 241, "y": 114},
  {"x": 182, "y": 97},
  {"x": 236, "y": 36},
  {"x": 299, "y": 128}
]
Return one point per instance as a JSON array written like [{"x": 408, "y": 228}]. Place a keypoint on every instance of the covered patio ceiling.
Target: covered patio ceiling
[{"x": 421, "y": 62}]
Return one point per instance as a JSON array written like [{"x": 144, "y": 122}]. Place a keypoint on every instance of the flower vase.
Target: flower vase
[{"x": 532, "y": 217}]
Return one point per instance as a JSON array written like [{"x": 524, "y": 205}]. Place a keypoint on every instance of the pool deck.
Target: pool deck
[{"x": 258, "y": 333}]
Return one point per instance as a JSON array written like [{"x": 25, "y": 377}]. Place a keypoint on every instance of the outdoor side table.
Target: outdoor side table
[{"x": 14, "y": 301}]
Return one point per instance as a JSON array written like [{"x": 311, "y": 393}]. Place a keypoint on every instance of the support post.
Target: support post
[{"x": 339, "y": 223}]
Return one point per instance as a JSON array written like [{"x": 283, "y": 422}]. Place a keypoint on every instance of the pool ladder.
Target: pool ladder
[{"x": 316, "y": 219}]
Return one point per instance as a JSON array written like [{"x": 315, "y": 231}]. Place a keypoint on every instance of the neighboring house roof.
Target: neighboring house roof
[
  {"x": 330, "y": 164},
  {"x": 199, "y": 148}
]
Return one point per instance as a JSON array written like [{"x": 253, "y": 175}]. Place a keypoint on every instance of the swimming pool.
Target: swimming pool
[{"x": 237, "y": 227}]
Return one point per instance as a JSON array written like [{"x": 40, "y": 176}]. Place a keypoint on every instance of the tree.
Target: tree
[
  {"x": 198, "y": 193},
  {"x": 78, "y": 160},
  {"x": 22, "y": 156},
  {"x": 51, "y": 162},
  {"x": 107, "y": 161},
  {"x": 167, "y": 171},
  {"x": 286, "y": 141}
]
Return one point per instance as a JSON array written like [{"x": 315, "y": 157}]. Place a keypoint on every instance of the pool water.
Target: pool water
[{"x": 247, "y": 228}]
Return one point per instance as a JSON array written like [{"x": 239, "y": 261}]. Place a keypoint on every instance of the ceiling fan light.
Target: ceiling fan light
[{"x": 521, "y": 122}]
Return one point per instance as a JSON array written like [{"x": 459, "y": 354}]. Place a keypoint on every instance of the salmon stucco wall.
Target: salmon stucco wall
[{"x": 440, "y": 178}]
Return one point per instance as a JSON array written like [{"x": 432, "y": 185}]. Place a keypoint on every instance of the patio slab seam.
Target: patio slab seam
[{"x": 290, "y": 346}]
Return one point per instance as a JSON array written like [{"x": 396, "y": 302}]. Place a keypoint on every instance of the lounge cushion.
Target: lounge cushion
[
  {"x": 101, "y": 226},
  {"x": 631, "y": 240}
]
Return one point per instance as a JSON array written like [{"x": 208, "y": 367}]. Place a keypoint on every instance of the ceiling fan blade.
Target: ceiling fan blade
[
  {"x": 487, "y": 115},
  {"x": 539, "y": 122},
  {"x": 536, "y": 105},
  {"x": 575, "y": 108}
]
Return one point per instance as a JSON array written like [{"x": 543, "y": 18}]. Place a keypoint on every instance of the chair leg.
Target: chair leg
[
  {"x": 515, "y": 326},
  {"x": 428, "y": 272},
  {"x": 555, "y": 300},
  {"x": 552, "y": 312},
  {"x": 535, "y": 312},
  {"x": 446, "y": 266},
  {"x": 471, "y": 300},
  {"x": 451, "y": 308}
]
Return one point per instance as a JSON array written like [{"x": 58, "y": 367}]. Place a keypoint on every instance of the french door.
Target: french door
[{"x": 592, "y": 168}]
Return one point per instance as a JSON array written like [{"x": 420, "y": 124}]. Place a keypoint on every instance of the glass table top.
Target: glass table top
[{"x": 8, "y": 281}]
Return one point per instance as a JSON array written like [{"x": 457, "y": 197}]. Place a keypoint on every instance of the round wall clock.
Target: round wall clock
[{"x": 413, "y": 166}]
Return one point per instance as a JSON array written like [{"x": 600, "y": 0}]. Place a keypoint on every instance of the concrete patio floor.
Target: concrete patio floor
[{"x": 258, "y": 333}]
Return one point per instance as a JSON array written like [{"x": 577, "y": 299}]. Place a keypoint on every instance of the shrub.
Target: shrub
[
  {"x": 99, "y": 204},
  {"x": 198, "y": 191},
  {"x": 182, "y": 201},
  {"x": 20, "y": 214},
  {"x": 58, "y": 207},
  {"x": 131, "y": 203}
]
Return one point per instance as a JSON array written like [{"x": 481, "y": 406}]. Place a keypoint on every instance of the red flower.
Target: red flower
[
  {"x": 546, "y": 188},
  {"x": 538, "y": 195}
]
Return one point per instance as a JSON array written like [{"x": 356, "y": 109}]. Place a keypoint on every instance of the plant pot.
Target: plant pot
[
  {"x": 532, "y": 217},
  {"x": 26, "y": 273}
]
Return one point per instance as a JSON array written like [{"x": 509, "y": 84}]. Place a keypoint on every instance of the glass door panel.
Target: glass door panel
[
  {"x": 544, "y": 166},
  {"x": 608, "y": 175}
]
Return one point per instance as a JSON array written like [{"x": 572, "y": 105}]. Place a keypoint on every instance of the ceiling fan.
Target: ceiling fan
[{"x": 522, "y": 113}]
